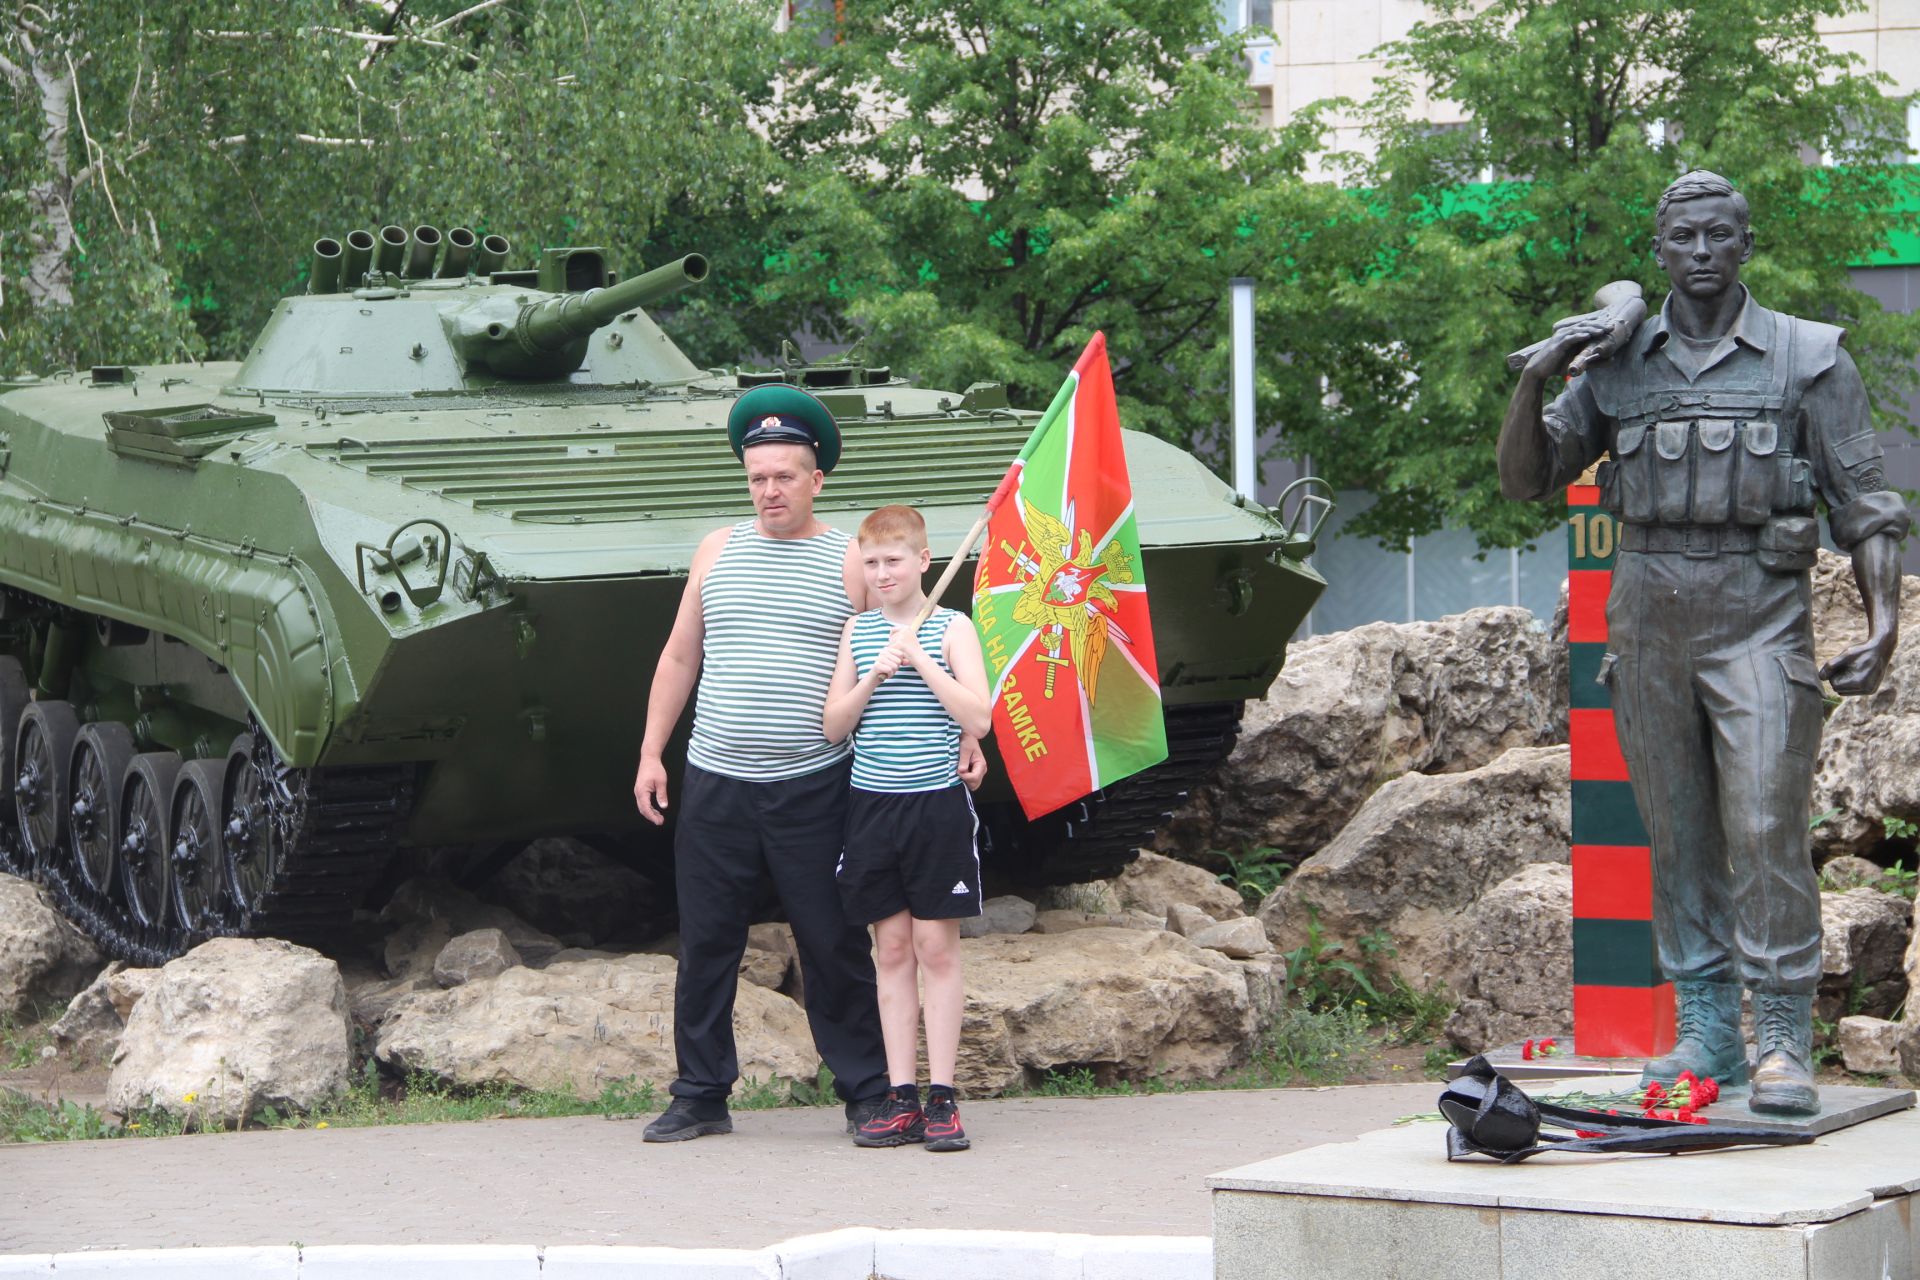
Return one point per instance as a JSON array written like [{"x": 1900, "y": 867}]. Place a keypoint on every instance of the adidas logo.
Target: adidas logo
[{"x": 960, "y": 886}]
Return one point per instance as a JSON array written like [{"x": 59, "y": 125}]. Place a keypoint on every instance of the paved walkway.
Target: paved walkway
[{"x": 1103, "y": 1166}]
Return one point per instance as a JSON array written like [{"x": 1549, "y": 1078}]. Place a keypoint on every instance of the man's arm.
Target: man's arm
[
  {"x": 856, "y": 580},
  {"x": 1866, "y": 518},
  {"x": 673, "y": 681},
  {"x": 1530, "y": 466}
]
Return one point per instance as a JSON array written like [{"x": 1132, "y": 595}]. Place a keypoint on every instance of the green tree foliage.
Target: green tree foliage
[
  {"x": 979, "y": 186},
  {"x": 224, "y": 136},
  {"x": 1582, "y": 111}
]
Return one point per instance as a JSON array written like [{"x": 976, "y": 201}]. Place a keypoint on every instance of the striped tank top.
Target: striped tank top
[
  {"x": 774, "y": 610},
  {"x": 905, "y": 741}
]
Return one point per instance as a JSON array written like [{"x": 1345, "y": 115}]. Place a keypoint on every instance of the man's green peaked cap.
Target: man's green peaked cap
[{"x": 776, "y": 413}]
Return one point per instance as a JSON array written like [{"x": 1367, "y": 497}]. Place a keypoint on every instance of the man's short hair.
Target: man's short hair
[
  {"x": 1701, "y": 184},
  {"x": 894, "y": 524}
]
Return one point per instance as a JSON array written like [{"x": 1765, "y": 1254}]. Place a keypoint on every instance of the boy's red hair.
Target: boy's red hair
[{"x": 895, "y": 524}]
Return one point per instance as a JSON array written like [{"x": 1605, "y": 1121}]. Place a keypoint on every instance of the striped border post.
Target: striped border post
[{"x": 1621, "y": 1009}]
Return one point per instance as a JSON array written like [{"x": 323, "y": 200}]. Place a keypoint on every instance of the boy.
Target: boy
[{"x": 909, "y": 868}]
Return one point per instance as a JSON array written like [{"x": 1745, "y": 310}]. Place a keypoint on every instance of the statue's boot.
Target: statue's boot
[
  {"x": 1783, "y": 1076},
  {"x": 1709, "y": 1045}
]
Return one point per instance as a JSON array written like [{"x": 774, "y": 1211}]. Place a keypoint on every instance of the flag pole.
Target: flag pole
[{"x": 1008, "y": 483}]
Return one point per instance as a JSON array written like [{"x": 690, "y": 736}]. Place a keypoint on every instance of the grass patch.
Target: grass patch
[
  {"x": 21, "y": 1040},
  {"x": 1318, "y": 1045}
]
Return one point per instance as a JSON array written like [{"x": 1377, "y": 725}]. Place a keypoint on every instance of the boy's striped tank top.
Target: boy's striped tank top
[
  {"x": 905, "y": 741},
  {"x": 774, "y": 610}
]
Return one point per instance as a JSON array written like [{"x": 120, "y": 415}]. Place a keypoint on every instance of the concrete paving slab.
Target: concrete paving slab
[{"x": 1097, "y": 1166}]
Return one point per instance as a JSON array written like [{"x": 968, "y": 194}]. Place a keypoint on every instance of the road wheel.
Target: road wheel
[
  {"x": 259, "y": 816},
  {"x": 101, "y": 755},
  {"x": 144, "y": 798},
  {"x": 43, "y": 754},
  {"x": 197, "y": 853}
]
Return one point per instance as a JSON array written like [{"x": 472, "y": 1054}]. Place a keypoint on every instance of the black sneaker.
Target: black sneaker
[
  {"x": 894, "y": 1123},
  {"x": 940, "y": 1129},
  {"x": 687, "y": 1118}
]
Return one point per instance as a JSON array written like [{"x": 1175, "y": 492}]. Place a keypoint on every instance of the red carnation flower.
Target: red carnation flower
[{"x": 1526, "y": 1052}]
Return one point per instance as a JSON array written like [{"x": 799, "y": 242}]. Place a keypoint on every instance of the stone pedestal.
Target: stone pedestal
[{"x": 1390, "y": 1205}]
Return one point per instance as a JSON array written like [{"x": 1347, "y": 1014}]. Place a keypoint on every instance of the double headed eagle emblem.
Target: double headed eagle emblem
[{"x": 1065, "y": 595}]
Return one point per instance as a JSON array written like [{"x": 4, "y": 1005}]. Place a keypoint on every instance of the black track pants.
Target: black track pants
[{"x": 727, "y": 830}]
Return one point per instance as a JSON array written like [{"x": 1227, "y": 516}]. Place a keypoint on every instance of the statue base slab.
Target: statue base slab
[{"x": 1390, "y": 1204}]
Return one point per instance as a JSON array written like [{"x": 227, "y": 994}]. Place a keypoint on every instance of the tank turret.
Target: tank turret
[
  {"x": 393, "y": 315},
  {"x": 516, "y": 338}
]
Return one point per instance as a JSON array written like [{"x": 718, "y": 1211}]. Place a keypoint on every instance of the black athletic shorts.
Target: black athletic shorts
[{"x": 911, "y": 851}]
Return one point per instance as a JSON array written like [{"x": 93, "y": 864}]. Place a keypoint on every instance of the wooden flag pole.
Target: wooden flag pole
[
  {"x": 953, "y": 567},
  {"x": 1006, "y": 486}
]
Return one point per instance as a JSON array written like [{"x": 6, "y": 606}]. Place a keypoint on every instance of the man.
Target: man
[
  {"x": 759, "y": 630},
  {"x": 1723, "y": 421}
]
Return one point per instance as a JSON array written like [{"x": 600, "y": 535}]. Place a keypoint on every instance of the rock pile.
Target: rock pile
[{"x": 1354, "y": 709}]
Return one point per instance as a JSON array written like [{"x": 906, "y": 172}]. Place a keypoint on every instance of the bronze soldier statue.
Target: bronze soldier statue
[{"x": 1722, "y": 422}]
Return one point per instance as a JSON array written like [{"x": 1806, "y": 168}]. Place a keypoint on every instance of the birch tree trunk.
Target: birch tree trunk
[{"x": 49, "y": 76}]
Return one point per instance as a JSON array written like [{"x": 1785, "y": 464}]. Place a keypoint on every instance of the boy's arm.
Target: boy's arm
[
  {"x": 846, "y": 696},
  {"x": 964, "y": 693}
]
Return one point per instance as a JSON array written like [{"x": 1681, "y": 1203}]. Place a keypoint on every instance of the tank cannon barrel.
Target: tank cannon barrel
[
  {"x": 548, "y": 339},
  {"x": 553, "y": 324}
]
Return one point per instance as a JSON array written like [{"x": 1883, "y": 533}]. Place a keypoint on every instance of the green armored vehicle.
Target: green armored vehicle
[{"x": 397, "y": 582}]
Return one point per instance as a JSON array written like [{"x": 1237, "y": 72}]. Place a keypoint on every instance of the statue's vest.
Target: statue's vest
[{"x": 1722, "y": 451}]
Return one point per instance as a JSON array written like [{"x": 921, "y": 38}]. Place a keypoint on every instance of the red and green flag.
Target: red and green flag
[{"x": 1060, "y": 600}]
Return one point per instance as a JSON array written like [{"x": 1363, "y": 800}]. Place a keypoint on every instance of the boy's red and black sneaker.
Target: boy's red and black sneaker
[
  {"x": 896, "y": 1122},
  {"x": 941, "y": 1129}
]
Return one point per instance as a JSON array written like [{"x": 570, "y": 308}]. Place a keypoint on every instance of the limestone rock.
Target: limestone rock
[
  {"x": 369, "y": 1003},
  {"x": 1154, "y": 884},
  {"x": 1422, "y": 850},
  {"x": 1871, "y": 1046},
  {"x": 89, "y": 1031},
  {"x": 1869, "y": 767},
  {"x": 1353, "y": 709},
  {"x": 479, "y": 954},
  {"x": 1864, "y": 935},
  {"x": 573, "y": 891},
  {"x": 236, "y": 1024},
  {"x": 1125, "y": 1003},
  {"x": 1004, "y": 914},
  {"x": 581, "y": 1025},
  {"x": 763, "y": 968},
  {"x": 426, "y": 914},
  {"x": 1062, "y": 920},
  {"x": 1848, "y": 872},
  {"x": 43, "y": 959},
  {"x": 1516, "y": 948},
  {"x": 126, "y": 987},
  {"x": 775, "y": 939},
  {"x": 1239, "y": 939},
  {"x": 1266, "y": 977},
  {"x": 1187, "y": 921}
]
